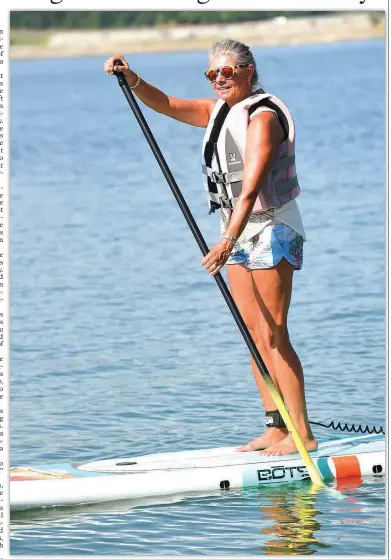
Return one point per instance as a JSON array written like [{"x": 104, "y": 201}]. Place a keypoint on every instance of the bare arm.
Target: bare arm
[
  {"x": 195, "y": 112},
  {"x": 264, "y": 135}
]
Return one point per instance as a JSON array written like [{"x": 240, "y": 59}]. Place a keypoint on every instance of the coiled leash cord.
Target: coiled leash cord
[
  {"x": 338, "y": 426},
  {"x": 274, "y": 419}
]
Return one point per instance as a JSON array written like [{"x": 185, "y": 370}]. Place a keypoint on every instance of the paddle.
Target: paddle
[{"x": 312, "y": 471}]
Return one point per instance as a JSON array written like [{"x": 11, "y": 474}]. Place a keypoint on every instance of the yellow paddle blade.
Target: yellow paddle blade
[{"x": 312, "y": 470}]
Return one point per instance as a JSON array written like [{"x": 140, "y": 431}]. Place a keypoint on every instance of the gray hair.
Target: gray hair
[{"x": 240, "y": 51}]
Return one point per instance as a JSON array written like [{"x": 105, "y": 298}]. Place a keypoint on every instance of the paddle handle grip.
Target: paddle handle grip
[{"x": 121, "y": 78}]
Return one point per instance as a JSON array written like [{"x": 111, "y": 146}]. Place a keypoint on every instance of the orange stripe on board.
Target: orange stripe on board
[{"x": 347, "y": 467}]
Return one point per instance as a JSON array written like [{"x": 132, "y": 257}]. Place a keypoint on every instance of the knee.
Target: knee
[
  {"x": 270, "y": 338},
  {"x": 280, "y": 336}
]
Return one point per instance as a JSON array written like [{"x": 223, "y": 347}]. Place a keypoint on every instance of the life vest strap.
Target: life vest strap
[
  {"x": 234, "y": 182},
  {"x": 213, "y": 206},
  {"x": 283, "y": 163},
  {"x": 222, "y": 178},
  {"x": 221, "y": 199},
  {"x": 235, "y": 176},
  {"x": 285, "y": 186},
  {"x": 217, "y": 125}
]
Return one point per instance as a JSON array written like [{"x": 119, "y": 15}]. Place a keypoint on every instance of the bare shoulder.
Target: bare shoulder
[
  {"x": 264, "y": 119},
  {"x": 266, "y": 125}
]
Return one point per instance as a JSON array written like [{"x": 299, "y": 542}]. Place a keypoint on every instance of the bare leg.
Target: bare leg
[
  {"x": 265, "y": 313},
  {"x": 242, "y": 289}
]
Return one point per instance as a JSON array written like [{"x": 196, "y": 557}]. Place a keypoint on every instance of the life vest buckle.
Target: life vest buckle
[{"x": 217, "y": 177}]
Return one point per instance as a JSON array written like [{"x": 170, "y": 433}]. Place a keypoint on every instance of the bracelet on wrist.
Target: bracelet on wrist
[
  {"x": 229, "y": 238},
  {"x": 137, "y": 82}
]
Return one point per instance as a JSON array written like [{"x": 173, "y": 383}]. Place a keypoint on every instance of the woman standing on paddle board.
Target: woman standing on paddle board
[{"x": 250, "y": 175}]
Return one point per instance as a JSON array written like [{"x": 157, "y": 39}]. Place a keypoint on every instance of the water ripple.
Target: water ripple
[{"x": 122, "y": 344}]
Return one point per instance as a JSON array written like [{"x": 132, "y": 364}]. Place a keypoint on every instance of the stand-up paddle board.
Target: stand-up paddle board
[{"x": 190, "y": 471}]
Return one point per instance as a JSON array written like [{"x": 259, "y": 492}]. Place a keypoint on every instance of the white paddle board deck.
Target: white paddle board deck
[{"x": 174, "y": 473}]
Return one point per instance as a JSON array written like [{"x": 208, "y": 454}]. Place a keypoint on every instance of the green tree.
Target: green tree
[{"x": 103, "y": 19}]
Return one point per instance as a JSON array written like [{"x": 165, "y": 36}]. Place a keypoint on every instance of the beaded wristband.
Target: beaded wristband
[
  {"x": 137, "y": 82},
  {"x": 232, "y": 239}
]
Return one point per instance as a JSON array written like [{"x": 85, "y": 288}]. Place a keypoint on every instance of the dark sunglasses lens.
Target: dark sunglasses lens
[
  {"x": 211, "y": 75},
  {"x": 227, "y": 72}
]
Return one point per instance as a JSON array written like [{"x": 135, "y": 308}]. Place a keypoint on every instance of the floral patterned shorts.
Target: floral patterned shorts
[{"x": 266, "y": 249}]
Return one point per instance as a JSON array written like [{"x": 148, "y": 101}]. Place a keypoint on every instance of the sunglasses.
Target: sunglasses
[{"x": 226, "y": 71}]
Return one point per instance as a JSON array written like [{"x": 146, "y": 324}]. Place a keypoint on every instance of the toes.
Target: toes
[{"x": 270, "y": 453}]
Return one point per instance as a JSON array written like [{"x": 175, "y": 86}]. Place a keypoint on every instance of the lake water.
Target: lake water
[{"x": 122, "y": 343}]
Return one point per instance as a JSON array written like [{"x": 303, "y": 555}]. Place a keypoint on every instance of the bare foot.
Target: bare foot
[
  {"x": 271, "y": 436},
  {"x": 287, "y": 446}
]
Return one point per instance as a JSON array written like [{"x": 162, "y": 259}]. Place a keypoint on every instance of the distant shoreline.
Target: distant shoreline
[{"x": 26, "y": 44}]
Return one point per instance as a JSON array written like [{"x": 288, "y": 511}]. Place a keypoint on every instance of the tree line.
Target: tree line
[{"x": 102, "y": 20}]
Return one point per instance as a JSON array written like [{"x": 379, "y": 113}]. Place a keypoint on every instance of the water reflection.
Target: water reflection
[
  {"x": 294, "y": 523},
  {"x": 291, "y": 519}
]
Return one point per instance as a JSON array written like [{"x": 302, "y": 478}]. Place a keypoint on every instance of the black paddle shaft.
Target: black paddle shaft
[{"x": 191, "y": 221}]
